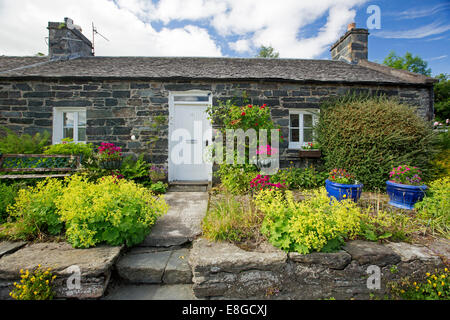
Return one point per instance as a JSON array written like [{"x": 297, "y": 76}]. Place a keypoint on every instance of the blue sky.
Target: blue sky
[{"x": 233, "y": 28}]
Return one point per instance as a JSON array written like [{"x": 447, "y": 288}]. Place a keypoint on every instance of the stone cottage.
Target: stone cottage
[{"x": 72, "y": 93}]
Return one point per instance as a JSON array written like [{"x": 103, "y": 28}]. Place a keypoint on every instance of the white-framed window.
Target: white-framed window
[
  {"x": 301, "y": 127},
  {"x": 69, "y": 123}
]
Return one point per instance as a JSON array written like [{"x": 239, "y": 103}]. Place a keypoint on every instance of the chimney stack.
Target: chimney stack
[
  {"x": 352, "y": 46},
  {"x": 65, "y": 41}
]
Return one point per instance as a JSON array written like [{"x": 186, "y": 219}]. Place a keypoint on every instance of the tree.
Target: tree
[
  {"x": 267, "y": 52},
  {"x": 442, "y": 97},
  {"x": 408, "y": 62}
]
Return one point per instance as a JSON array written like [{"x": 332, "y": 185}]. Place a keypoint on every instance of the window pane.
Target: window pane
[
  {"x": 68, "y": 119},
  {"x": 82, "y": 118},
  {"x": 68, "y": 133},
  {"x": 307, "y": 135},
  {"x": 307, "y": 120},
  {"x": 294, "y": 136},
  {"x": 294, "y": 120},
  {"x": 81, "y": 134},
  {"x": 191, "y": 98}
]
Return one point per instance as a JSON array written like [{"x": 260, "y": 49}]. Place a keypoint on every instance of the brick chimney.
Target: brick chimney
[
  {"x": 352, "y": 46},
  {"x": 65, "y": 41}
]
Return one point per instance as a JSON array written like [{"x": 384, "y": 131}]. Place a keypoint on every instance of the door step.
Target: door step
[{"x": 189, "y": 186}]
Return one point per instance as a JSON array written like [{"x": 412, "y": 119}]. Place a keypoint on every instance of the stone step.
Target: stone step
[
  {"x": 147, "y": 266},
  {"x": 188, "y": 188},
  {"x": 151, "y": 292}
]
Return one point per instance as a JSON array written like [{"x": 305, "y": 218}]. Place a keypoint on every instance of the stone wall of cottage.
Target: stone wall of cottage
[{"x": 118, "y": 109}]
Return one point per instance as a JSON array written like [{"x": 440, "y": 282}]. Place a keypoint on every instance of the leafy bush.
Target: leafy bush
[
  {"x": 35, "y": 210},
  {"x": 434, "y": 209},
  {"x": 34, "y": 286},
  {"x": 7, "y": 195},
  {"x": 236, "y": 178},
  {"x": 115, "y": 211},
  {"x": 24, "y": 144},
  {"x": 67, "y": 146},
  {"x": 432, "y": 287},
  {"x": 159, "y": 187},
  {"x": 231, "y": 219},
  {"x": 371, "y": 135},
  {"x": 135, "y": 169},
  {"x": 300, "y": 178},
  {"x": 313, "y": 224},
  {"x": 387, "y": 225}
]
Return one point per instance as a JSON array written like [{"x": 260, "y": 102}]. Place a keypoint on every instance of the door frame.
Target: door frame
[{"x": 172, "y": 110}]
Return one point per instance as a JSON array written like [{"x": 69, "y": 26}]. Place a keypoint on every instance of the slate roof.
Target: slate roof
[{"x": 197, "y": 68}]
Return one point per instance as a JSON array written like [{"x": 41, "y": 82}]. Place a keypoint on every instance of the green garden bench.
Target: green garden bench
[{"x": 38, "y": 165}]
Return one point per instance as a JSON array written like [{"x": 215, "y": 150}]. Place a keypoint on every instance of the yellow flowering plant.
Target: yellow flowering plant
[
  {"x": 314, "y": 224},
  {"x": 435, "y": 286},
  {"x": 36, "y": 285}
]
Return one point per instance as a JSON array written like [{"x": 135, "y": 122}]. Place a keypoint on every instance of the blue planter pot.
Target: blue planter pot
[
  {"x": 338, "y": 190},
  {"x": 404, "y": 196}
]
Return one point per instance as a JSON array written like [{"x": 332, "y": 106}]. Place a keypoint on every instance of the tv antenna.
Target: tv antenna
[{"x": 94, "y": 32}]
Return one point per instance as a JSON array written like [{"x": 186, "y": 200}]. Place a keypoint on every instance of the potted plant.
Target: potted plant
[
  {"x": 405, "y": 187},
  {"x": 267, "y": 151},
  {"x": 310, "y": 150},
  {"x": 109, "y": 156},
  {"x": 342, "y": 185},
  {"x": 158, "y": 173}
]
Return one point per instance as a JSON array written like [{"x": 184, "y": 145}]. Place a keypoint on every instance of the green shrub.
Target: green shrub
[
  {"x": 24, "y": 144},
  {"x": 115, "y": 211},
  {"x": 35, "y": 210},
  {"x": 67, "y": 146},
  {"x": 137, "y": 170},
  {"x": 159, "y": 187},
  {"x": 236, "y": 178},
  {"x": 231, "y": 219},
  {"x": 432, "y": 287},
  {"x": 300, "y": 178},
  {"x": 370, "y": 135},
  {"x": 7, "y": 195},
  {"x": 314, "y": 224},
  {"x": 434, "y": 209},
  {"x": 37, "y": 285}
]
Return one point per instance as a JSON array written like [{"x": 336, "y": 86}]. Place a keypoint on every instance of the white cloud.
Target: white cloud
[
  {"x": 23, "y": 29},
  {"x": 437, "y": 58},
  {"x": 417, "y": 33},
  {"x": 241, "y": 46},
  {"x": 128, "y": 25}
]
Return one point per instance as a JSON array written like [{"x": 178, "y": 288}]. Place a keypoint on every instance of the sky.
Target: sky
[{"x": 234, "y": 28}]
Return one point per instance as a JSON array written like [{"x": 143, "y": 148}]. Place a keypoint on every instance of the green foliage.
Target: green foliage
[
  {"x": 314, "y": 224},
  {"x": 67, "y": 146},
  {"x": 25, "y": 144},
  {"x": 267, "y": 52},
  {"x": 300, "y": 178},
  {"x": 387, "y": 225},
  {"x": 442, "y": 98},
  {"x": 135, "y": 169},
  {"x": 35, "y": 210},
  {"x": 7, "y": 195},
  {"x": 236, "y": 178},
  {"x": 434, "y": 209},
  {"x": 36, "y": 285},
  {"x": 408, "y": 62},
  {"x": 159, "y": 187},
  {"x": 371, "y": 135},
  {"x": 231, "y": 219},
  {"x": 432, "y": 287},
  {"x": 114, "y": 211}
]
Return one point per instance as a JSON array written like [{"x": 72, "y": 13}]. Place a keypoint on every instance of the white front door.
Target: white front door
[{"x": 190, "y": 133}]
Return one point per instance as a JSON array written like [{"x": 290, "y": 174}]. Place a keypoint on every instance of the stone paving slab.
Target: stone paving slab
[
  {"x": 142, "y": 266},
  {"x": 152, "y": 292},
  {"x": 95, "y": 265},
  {"x": 182, "y": 223},
  {"x": 9, "y": 247},
  {"x": 365, "y": 252}
]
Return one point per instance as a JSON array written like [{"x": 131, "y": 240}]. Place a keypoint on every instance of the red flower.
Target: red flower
[
  {"x": 256, "y": 124},
  {"x": 243, "y": 113},
  {"x": 250, "y": 106}
]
